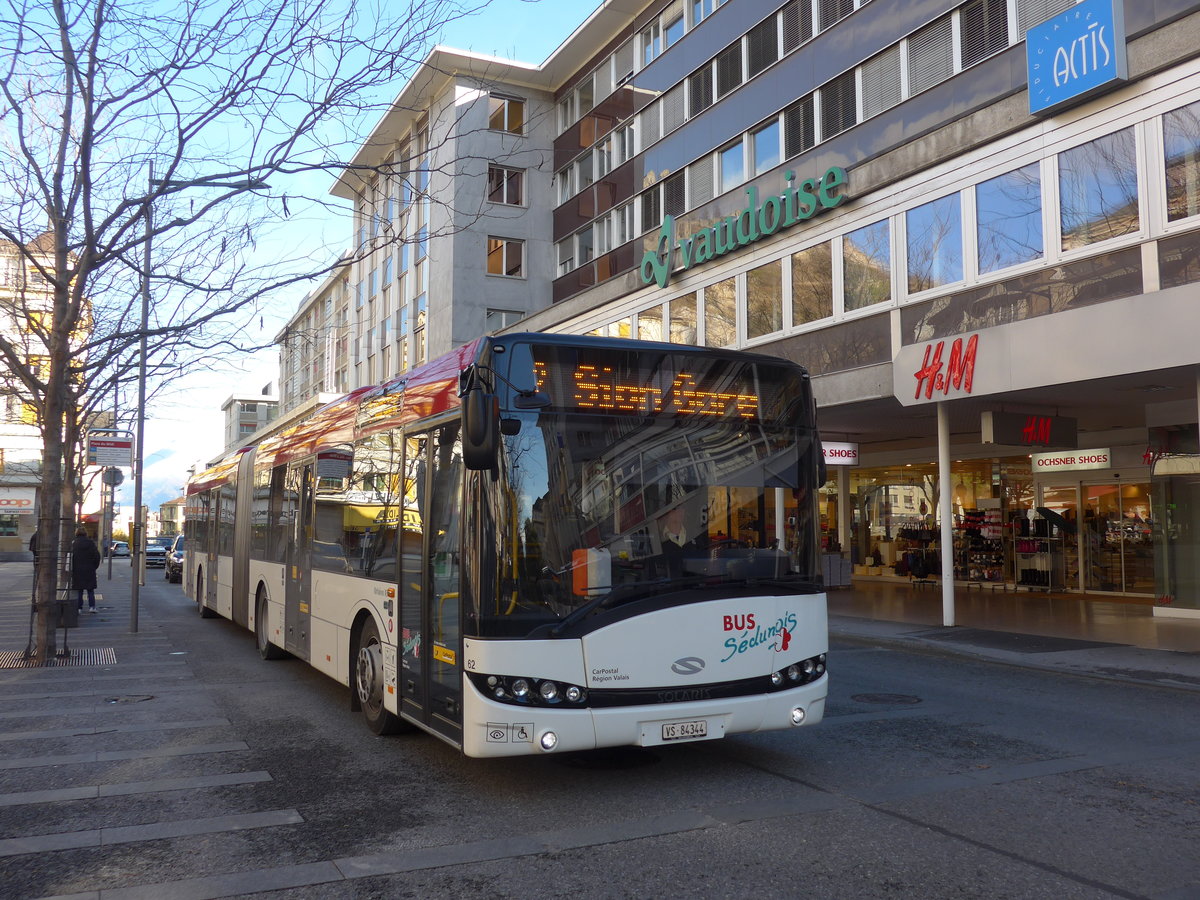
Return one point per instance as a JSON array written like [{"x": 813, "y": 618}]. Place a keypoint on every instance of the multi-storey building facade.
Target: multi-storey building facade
[
  {"x": 247, "y": 413},
  {"x": 314, "y": 346},
  {"x": 985, "y": 248}
]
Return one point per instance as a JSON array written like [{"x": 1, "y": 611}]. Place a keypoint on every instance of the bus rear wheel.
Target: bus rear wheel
[
  {"x": 266, "y": 649},
  {"x": 205, "y": 612},
  {"x": 368, "y": 681}
]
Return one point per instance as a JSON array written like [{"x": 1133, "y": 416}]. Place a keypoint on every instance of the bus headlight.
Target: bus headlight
[
  {"x": 520, "y": 688},
  {"x": 574, "y": 694},
  {"x": 548, "y": 691},
  {"x": 526, "y": 691}
]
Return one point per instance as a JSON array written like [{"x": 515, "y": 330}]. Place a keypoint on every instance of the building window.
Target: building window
[
  {"x": 501, "y": 318},
  {"x": 387, "y": 269},
  {"x": 700, "y": 90},
  {"x": 1009, "y": 210},
  {"x": 867, "y": 266},
  {"x": 764, "y": 300},
  {"x": 797, "y": 24},
  {"x": 831, "y": 11},
  {"x": 505, "y": 114},
  {"x": 984, "y": 26},
  {"x": 651, "y": 209},
  {"x": 935, "y": 247},
  {"x": 1097, "y": 185},
  {"x": 651, "y": 43},
  {"x": 733, "y": 166},
  {"x": 682, "y": 311},
  {"x": 720, "y": 313},
  {"x": 729, "y": 69},
  {"x": 1181, "y": 145},
  {"x": 584, "y": 244},
  {"x": 584, "y": 173},
  {"x": 812, "y": 284},
  {"x": 506, "y": 185},
  {"x": 672, "y": 23},
  {"x": 766, "y": 148},
  {"x": 586, "y": 92},
  {"x": 675, "y": 194},
  {"x": 566, "y": 256},
  {"x": 798, "y": 127},
  {"x": 762, "y": 46},
  {"x": 839, "y": 109},
  {"x": 505, "y": 257}
]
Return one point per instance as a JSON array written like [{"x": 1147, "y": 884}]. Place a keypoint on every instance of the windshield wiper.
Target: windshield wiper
[{"x": 624, "y": 593}]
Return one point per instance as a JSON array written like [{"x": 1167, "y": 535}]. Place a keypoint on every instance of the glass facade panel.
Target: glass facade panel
[
  {"x": 733, "y": 166},
  {"x": 650, "y": 324},
  {"x": 1179, "y": 259},
  {"x": 1098, "y": 190},
  {"x": 935, "y": 254},
  {"x": 1181, "y": 146},
  {"x": 720, "y": 313},
  {"x": 766, "y": 148},
  {"x": 764, "y": 299},
  {"x": 683, "y": 319},
  {"x": 851, "y": 345},
  {"x": 867, "y": 266},
  {"x": 1009, "y": 210},
  {"x": 812, "y": 284}
]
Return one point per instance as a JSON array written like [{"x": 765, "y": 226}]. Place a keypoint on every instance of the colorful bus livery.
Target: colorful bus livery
[{"x": 538, "y": 543}]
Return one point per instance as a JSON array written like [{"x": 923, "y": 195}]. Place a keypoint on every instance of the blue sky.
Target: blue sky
[{"x": 186, "y": 427}]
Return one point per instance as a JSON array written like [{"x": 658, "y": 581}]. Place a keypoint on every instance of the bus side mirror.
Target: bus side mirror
[{"x": 481, "y": 429}]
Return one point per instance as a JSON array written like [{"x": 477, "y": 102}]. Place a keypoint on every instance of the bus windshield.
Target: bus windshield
[{"x": 706, "y": 484}]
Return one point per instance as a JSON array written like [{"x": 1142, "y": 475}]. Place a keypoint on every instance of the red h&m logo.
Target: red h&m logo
[
  {"x": 960, "y": 370},
  {"x": 1036, "y": 430}
]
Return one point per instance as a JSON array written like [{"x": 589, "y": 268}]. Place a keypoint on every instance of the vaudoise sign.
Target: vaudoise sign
[{"x": 798, "y": 203}]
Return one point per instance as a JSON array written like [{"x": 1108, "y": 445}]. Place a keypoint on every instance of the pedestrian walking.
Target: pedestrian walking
[{"x": 85, "y": 560}]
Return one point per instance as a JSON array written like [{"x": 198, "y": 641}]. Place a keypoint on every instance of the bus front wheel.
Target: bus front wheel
[{"x": 368, "y": 681}]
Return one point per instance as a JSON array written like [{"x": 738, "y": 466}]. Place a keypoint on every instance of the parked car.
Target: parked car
[
  {"x": 119, "y": 548},
  {"x": 174, "y": 567},
  {"x": 157, "y": 549}
]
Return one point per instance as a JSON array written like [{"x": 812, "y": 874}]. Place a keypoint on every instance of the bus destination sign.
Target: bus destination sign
[{"x": 601, "y": 389}]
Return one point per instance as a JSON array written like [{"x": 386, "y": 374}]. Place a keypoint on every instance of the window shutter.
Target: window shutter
[
  {"x": 651, "y": 209},
  {"x": 700, "y": 90},
  {"x": 1035, "y": 12},
  {"x": 831, "y": 11},
  {"x": 700, "y": 180},
  {"x": 984, "y": 26},
  {"x": 673, "y": 108},
  {"x": 798, "y": 127},
  {"x": 604, "y": 81},
  {"x": 838, "y": 110},
  {"x": 797, "y": 24},
  {"x": 623, "y": 62},
  {"x": 930, "y": 55},
  {"x": 762, "y": 45},
  {"x": 729, "y": 69},
  {"x": 881, "y": 82},
  {"x": 648, "y": 125},
  {"x": 674, "y": 194}
]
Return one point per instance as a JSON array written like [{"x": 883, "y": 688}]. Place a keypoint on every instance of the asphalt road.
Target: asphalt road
[{"x": 192, "y": 769}]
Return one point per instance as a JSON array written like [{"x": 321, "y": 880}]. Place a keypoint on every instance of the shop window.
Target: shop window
[
  {"x": 812, "y": 284},
  {"x": 867, "y": 266},
  {"x": 506, "y": 114},
  {"x": 1098, "y": 190},
  {"x": 765, "y": 143},
  {"x": 505, "y": 257},
  {"x": 764, "y": 300},
  {"x": 682, "y": 311},
  {"x": 1009, "y": 212},
  {"x": 650, "y": 324},
  {"x": 720, "y": 313},
  {"x": 935, "y": 254},
  {"x": 1181, "y": 145}
]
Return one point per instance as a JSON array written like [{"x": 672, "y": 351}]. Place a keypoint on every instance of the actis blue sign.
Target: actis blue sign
[{"x": 1075, "y": 55}]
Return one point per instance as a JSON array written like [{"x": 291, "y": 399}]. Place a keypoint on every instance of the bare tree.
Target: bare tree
[{"x": 187, "y": 125}]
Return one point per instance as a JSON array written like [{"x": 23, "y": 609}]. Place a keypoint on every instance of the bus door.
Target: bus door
[
  {"x": 298, "y": 560},
  {"x": 430, "y": 607}
]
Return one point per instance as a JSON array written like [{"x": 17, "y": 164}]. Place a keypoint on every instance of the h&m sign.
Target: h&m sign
[{"x": 1028, "y": 429}]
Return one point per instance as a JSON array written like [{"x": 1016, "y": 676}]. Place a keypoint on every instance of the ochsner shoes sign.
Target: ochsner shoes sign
[
  {"x": 1072, "y": 460},
  {"x": 798, "y": 203}
]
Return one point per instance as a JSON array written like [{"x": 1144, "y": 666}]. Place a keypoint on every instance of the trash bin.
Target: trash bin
[{"x": 66, "y": 609}]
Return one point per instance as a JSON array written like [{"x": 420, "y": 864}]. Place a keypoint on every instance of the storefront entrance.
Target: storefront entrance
[{"x": 1109, "y": 548}]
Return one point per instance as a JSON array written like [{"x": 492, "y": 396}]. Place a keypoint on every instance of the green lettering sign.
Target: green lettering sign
[{"x": 798, "y": 203}]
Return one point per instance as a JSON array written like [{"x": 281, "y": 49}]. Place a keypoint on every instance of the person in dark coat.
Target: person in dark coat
[{"x": 85, "y": 560}]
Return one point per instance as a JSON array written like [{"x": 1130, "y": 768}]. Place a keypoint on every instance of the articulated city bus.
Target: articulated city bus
[{"x": 538, "y": 543}]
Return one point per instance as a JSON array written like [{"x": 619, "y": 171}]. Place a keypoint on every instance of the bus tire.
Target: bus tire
[
  {"x": 368, "y": 681},
  {"x": 266, "y": 649},
  {"x": 205, "y": 612}
]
